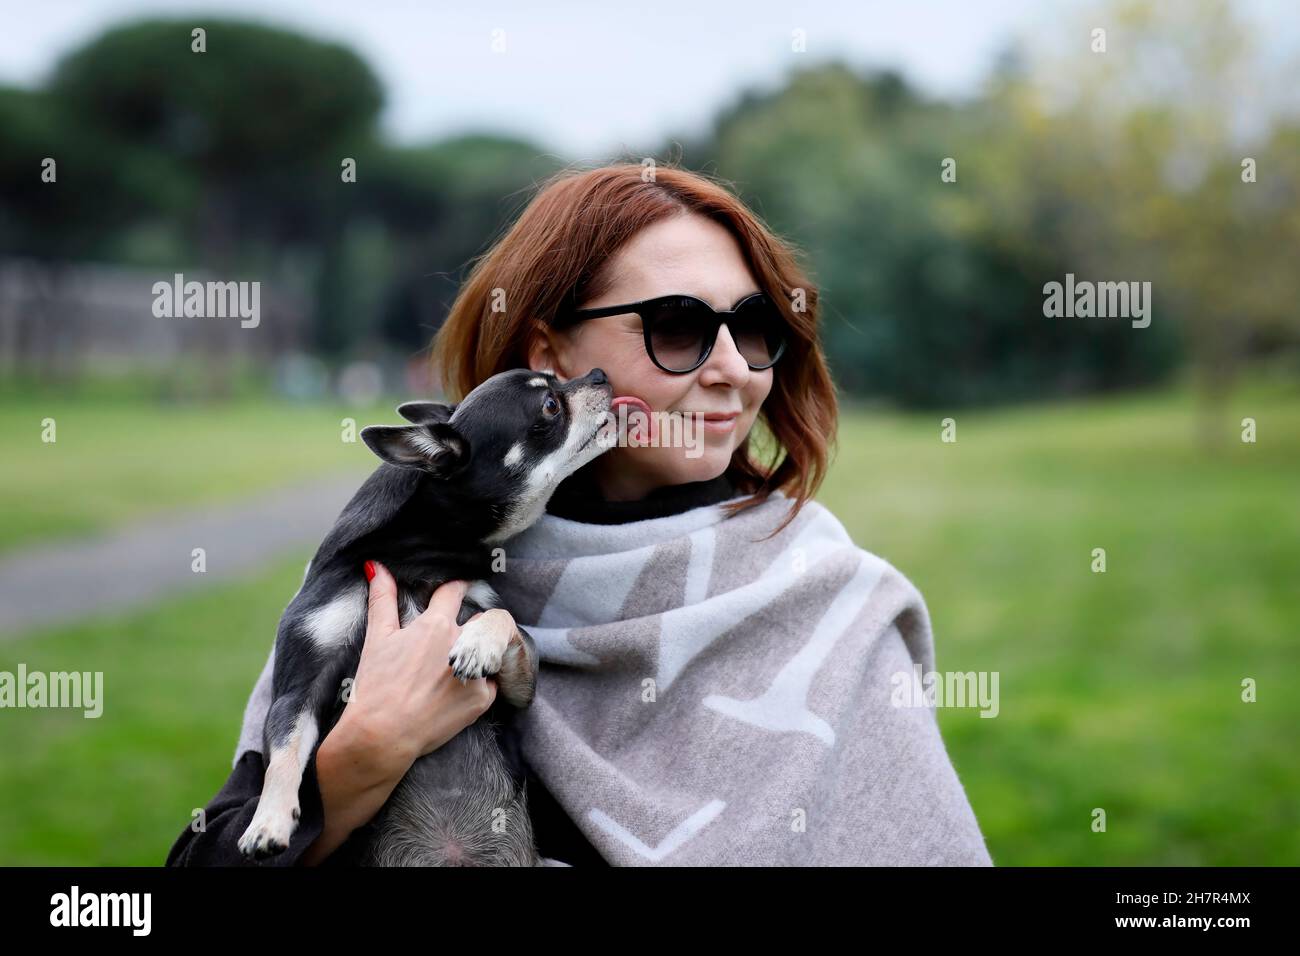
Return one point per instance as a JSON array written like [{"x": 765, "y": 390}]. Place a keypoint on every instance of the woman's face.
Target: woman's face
[{"x": 685, "y": 254}]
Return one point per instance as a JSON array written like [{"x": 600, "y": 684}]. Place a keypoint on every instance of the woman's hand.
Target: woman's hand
[
  {"x": 405, "y": 697},
  {"x": 404, "y": 703}
]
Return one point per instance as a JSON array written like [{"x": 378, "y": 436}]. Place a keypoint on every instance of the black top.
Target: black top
[
  {"x": 578, "y": 499},
  {"x": 229, "y": 813}
]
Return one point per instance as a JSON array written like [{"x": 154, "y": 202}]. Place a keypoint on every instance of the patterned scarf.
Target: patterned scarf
[{"x": 711, "y": 698}]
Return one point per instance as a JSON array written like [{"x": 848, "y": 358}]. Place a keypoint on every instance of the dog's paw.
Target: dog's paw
[
  {"x": 268, "y": 835},
  {"x": 482, "y": 644}
]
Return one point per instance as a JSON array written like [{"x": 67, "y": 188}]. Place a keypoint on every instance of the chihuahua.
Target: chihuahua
[{"x": 453, "y": 485}]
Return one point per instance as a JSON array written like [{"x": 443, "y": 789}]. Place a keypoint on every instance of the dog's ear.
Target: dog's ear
[
  {"x": 425, "y": 413},
  {"x": 438, "y": 448}
]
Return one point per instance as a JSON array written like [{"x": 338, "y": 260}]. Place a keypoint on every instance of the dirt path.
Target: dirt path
[{"x": 145, "y": 561}]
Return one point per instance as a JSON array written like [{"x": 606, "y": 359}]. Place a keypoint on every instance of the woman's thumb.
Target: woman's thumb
[{"x": 381, "y": 617}]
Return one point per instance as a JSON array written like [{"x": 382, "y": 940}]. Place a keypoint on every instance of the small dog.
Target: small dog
[{"x": 453, "y": 485}]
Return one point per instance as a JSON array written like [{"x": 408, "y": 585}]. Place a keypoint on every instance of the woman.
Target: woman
[{"x": 720, "y": 663}]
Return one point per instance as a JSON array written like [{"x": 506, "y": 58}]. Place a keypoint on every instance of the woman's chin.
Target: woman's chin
[
  {"x": 673, "y": 466},
  {"x": 704, "y": 467}
]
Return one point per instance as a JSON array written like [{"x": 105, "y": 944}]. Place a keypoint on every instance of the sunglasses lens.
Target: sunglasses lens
[
  {"x": 758, "y": 331},
  {"x": 680, "y": 332},
  {"x": 677, "y": 333}
]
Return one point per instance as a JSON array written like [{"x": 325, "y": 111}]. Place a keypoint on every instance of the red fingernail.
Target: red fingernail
[{"x": 370, "y": 570}]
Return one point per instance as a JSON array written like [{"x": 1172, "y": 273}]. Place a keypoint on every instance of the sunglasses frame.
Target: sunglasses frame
[{"x": 574, "y": 316}]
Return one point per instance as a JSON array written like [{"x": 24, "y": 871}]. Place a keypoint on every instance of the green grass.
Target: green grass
[
  {"x": 118, "y": 459},
  {"x": 118, "y": 789},
  {"x": 1118, "y": 690}
]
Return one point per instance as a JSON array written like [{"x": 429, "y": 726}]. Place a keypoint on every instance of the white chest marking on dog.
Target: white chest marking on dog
[
  {"x": 331, "y": 625},
  {"x": 543, "y": 477},
  {"x": 482, "y": 594},
  {"x": 408, "y": 611},
  {"x": 478, "y": 592}
]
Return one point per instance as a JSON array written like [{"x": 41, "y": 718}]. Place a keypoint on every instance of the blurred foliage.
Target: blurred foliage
[
  {"x": 439, "y": 206},
  {"x": 1123, "y": 166},
  {"x": 933, "y": 299},
  {"x": 103, "y": 186},
  {"x": 251, "y": 124}
]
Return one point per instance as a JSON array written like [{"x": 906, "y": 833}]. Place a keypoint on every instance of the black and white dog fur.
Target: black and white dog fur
[{"x": 453, "y": 486}]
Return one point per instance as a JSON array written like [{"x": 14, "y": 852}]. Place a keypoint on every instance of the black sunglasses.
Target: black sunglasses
[{"x": 680, "y": 330}]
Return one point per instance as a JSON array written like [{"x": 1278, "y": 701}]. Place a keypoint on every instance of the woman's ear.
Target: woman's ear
[{"x": 541, "y": 351}]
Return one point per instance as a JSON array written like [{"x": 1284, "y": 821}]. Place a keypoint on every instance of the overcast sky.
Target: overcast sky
[{"x": 585, "y": 77}]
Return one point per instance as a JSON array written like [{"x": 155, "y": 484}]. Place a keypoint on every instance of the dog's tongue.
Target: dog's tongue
[
  {"x": 631, "y": 400},
  {"x": 636, "y": 424}
]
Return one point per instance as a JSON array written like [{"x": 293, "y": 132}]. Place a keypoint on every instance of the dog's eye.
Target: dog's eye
[{"x": 550, "y": 406}]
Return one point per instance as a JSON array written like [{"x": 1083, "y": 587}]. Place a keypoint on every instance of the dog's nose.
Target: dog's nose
[{"x": 598, "y": 376}]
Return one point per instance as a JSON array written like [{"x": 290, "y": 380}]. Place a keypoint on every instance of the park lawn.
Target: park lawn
[
  {"x": 122, "y": 458},
  {"x": 119, "y": 788},
  {"x": 1118, "y": 691}
]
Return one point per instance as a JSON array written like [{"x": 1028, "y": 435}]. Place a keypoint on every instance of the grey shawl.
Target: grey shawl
[{"x": 710, "y": 698}]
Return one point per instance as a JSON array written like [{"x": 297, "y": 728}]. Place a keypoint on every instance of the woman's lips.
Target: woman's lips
[
  {"x": 644, "y": 430},
  {"x": 720, "y": 424}
]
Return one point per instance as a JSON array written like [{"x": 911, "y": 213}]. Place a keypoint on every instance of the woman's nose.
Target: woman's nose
[{"x": 725, "y": 360}]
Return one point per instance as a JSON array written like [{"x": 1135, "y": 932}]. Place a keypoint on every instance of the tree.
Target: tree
[{"x": 259, "y": 122}]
